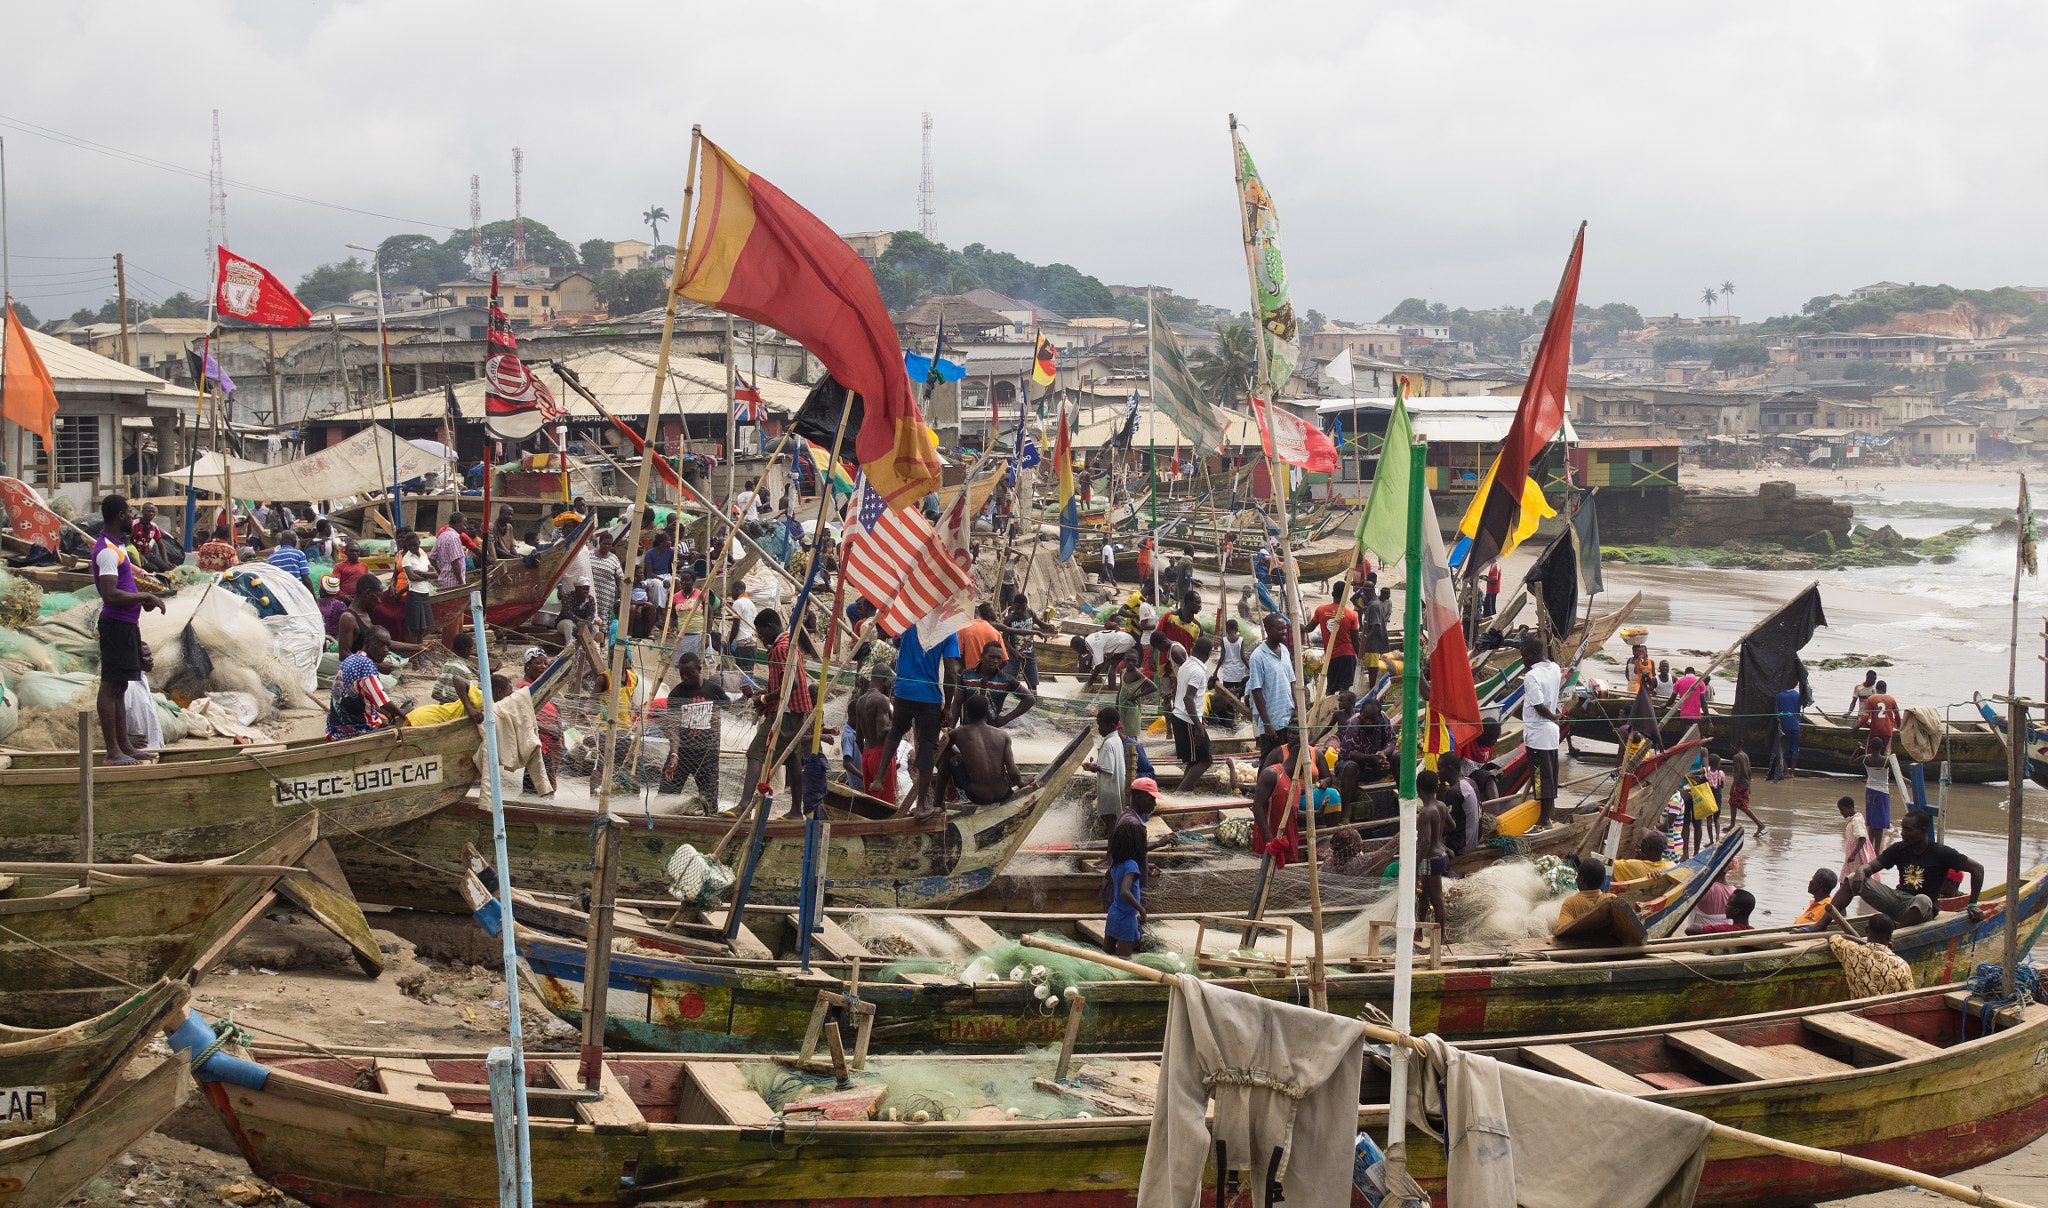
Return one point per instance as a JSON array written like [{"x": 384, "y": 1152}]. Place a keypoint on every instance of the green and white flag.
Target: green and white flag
[
  {"x": 1178, "y": 396},
  {"x": 2027, "y": 533},
  {"x": 1280, "y": 333},
  {"x": 1383, "y": 525}
]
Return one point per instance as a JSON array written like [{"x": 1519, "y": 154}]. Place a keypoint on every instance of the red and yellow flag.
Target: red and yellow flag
[
  {"x": 757, "y": 254},
  {"x": 27, "y": 395}
]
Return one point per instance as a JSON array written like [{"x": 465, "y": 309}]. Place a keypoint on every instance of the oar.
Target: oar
[{"x": 1722, "y": 1132}]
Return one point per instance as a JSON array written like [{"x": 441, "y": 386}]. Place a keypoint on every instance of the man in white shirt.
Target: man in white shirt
[
  {"x": 1541, "y": 683},
  {"x": 1102, "y": 648},
  {"x": 1190, "y": 734},
  {"x": 1269, "y": 685}
]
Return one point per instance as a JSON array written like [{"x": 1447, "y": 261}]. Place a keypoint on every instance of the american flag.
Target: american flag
[
  {"x": 746, "y": 404},
  {"x": 896, "y": 560},
  {"x": 938, "y": 594}
]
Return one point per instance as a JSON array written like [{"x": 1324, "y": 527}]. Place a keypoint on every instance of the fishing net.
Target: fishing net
[
  {"x": 238, "y": 643},
  {"x": 696, "y": 880},
  {"x": 73, "y": 633},
  {"x": 931, "y": 1090},
  {"x": 64, "y": 601},
  {"x": 41, "y": 690},
  {"x": 21, "y": 600},
  {"x": 21, "y": 653}
]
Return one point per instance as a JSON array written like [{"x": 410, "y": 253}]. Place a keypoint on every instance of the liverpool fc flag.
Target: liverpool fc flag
[
  {"x": 516, "y": 404},
  {"x": 248, "y": 291}
]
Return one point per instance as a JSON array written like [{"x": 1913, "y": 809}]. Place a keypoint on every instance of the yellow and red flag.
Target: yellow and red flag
[
  {"x": 27, "y": 395},
  {"x": 757, "y": 254},
  {"x": 1045, "y": 363}
]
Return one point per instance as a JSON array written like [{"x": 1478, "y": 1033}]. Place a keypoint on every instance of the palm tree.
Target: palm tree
[
  {"x": 960, "y": 281},
  {"x": 654, "y": 217},
  {"x": 1707, "y": 296},
  {"x": 1228, "y": 372},
  {"x": 1727, "y": 292}
]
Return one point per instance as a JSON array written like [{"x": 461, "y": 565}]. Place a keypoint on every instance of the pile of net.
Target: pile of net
[
  {"x": 238, "y": 643},
  {"x": 695, "y": 879},
  {"x": 1051, "y": 974}
]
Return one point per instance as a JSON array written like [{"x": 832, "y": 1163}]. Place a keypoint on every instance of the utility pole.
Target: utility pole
[
  {"x": 276, "y": 395},
  {"x": 121, "y": 288}
]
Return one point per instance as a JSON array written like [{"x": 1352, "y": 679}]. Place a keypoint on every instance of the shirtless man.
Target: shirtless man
[
  {"x": 1432, "y": 822},
  {"x": 977, "y": 757},
  {"x": 871, "y": 714}
]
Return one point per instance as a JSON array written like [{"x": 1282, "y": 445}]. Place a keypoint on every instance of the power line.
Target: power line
[{"x": 85, "y": 144}]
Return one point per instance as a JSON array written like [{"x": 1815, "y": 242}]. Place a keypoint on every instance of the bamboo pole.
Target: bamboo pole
[
  {"x": 2016, "y": 775},
  {"x": 1722, "y": 1132},
  {"x": 1725, "y": 655},
  {"x": 89, "y": 867},
  {"x": 84, "y": 789}
]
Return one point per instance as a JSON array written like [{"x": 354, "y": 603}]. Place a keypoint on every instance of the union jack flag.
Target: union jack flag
[{"x": 746, "y": 402}]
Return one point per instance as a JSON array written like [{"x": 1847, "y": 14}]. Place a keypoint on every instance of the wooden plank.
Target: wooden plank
[
  {"x": 1973, "y": 1006},
  {"x": 745, "y": 944},
  {"x": 929, "y": 979},
  {"x": 1860, "y": 1033},
  {"x": 976, "y": 934},
  {"x": 837, "y": 942},
  {"x": 1096, "y": 932},
  {"x": 615, "y": 1113},
  {"x": 1807, "y": 1059},
  {"x": 1568, "y": 1062},
  {"x": 717, "y": 1093},
  {"x": 400, "y": 1078},
  {"x": 1738, "y": 1061}
]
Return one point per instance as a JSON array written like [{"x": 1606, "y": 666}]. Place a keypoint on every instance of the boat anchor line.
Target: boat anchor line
[{"x": 339, "y": 786}]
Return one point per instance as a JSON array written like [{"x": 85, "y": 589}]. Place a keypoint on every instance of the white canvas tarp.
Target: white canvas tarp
[{"x": 357, "y": 465}]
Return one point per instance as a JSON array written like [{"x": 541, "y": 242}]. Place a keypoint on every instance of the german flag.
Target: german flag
[
  {"x": 1045, "y": 363},
  {"x": 757, "y": 254}
]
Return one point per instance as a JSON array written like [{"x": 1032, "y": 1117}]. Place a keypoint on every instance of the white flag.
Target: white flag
[{"x": 1339, "y": 369}]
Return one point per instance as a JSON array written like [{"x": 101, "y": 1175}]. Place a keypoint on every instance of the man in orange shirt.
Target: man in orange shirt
[
  {"x": 978, "y": 633},
  {"x": 1881, "y": 714},
  {"x": 1821, "y": 888},
  {"x": 1340, "y": 648}
]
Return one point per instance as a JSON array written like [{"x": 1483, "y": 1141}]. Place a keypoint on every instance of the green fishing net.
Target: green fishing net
[
  {"x": 1050, "y": 973},
  {"x": 63, "y": 601}
]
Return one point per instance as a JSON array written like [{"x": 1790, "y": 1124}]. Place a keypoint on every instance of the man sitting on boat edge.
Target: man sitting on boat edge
[{"x": 1923, "y": 867}]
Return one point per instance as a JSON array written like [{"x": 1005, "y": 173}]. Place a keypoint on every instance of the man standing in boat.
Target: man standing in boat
[
  {"x": 120, "y": 631},
  {"x": 1541, "y": 711},
  {"x": 1269, "y": 686}
]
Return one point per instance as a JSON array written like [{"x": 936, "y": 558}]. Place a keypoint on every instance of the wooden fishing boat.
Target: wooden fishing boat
[
  {"x": 1313, "y": 563},
  {"x": 517, "y": 590},
  {"x": 1913, "y": 1079},
  {"x": 233, "y": 797},
  {"x": 2037, "y": 741},
  {"x": 1973, "y": 748},
  {"x": 73, "y": 951},
  {"x": 47, "y": 1076},
  {"x": 45, "y": 1169},
  {"x": 874, "y": 857},
  {"x": 699, "y": 1002}
]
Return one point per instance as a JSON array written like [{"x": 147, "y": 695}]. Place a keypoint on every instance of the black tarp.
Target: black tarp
[
  {"x": 1586, "y": 530},
  {"x": 1770, "y": 662},
  {"x": 1554, "y": 581},
  {"x": 818, "y": 419}
]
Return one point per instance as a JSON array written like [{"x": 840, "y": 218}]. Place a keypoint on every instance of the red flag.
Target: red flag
[
  {"x": 28, "y": 396},
  {"x": 516, "y": 403},
  {"x": 1453, "y": 700},
  {"x": 757, "y": 254},
  {"x": 249, "y": 292},
  {"x": 1295, "y": 441}
]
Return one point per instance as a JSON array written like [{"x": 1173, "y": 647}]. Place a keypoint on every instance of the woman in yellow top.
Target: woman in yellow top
[{"x": 1640, "y": 668}]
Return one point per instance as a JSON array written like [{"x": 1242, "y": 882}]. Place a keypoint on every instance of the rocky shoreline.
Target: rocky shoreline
[{"x": 1822, "y": 551}]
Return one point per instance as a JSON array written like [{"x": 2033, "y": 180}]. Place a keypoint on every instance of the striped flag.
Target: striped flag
[
  {"x": 881, "y": 545},
  {"x": 1180, "y": 397},
  {"x": 938, "y": 594}
]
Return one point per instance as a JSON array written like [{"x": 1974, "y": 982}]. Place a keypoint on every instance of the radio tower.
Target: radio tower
[
  {"x": 518, "y": 216},
  {"x": 476, "y": 225},
  {"x": 216, "y": 199},
  {"x": 927, "y": 199}
]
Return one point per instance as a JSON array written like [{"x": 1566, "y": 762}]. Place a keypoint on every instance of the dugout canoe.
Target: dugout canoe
[
  {"x": 1974, "y": 749},
  {"x": 517, "y": 590},
  {"x": 49, "y": 1075},
  {"x": 45, "y": 1169},
  {"x": 668, "y": 1002},
  {"x": 1313, "y": 563},
  {"x": 875, "y": 858},
  {"x": 1913, "y": 1079},
  {"x": 231, "y": 798},
  {"x": 2037, "y": 741},
  {"x": 70, "y": 952}
]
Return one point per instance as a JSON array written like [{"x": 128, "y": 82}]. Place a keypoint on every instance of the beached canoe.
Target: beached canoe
[
  {"x": 49, "y": 1075},
  {"x": 1915, "y": 1079},
  {"x": 2037, "y": 741},
  {"x": 1313, "y": 563},
  {"x": 881, "y": 859},
  {"x": 1973, "y": 749},
  {"x": 70, "y": 952},
  {"x": 45, "y": 1169},
  {"x": 517, "y": 590},
  {"x": 668, "y": 1002}
]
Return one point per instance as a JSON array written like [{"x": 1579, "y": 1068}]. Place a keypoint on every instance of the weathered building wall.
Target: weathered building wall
[{"x": 1777, "y": 512}]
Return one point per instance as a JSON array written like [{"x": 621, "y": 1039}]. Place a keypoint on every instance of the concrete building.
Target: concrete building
[
  {"x": 1620, "y": 359},
  {"x": 629, "y": 254},
  {"x": 1826, "y": 353},
  {"x": 157, "y": 345},
  {"x": 1871, "y": 291},
  {"x": 1940, "y": 438},
  {"x": 1366, "y": 343},
  {"x": 524, "y": 304},
  {"x": 870, "y": 246}
]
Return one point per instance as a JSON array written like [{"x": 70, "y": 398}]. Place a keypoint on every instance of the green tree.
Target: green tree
[
  {"x": 543, "y": 246},
  {"x": 959, "y": 281},
  {"x": 1621, "y": 314},
  {"x": 180, "y": 305},
  {"x": 1819, "y": 303},
  {"x": 630, "y": 293},
  {"x": 26, "y": 316},
  {"x": 421, "y": 261},
  {"x": 1960, "y": 377},
  {"x": 1678, "y": 348},
  {"x": 596, "y": 255},
  {"x": 1066, "y": 289},
  {"x": 1314, "y": 322},
  {"x": 1736, "y": 353},
  {"x": 654, "y": 216},
  {"x": 900, "y": 288},
  {"x": 82, "y": 316},
  {"x": 335, "y": 281},
  {"x": 2008, "y": 383},
  {"x": 1229, "y": 370},
  {"x": 110, "y": 311},
  {"x": 1727, "y": 292},
  {"x": 1411, "y": 310},
  {"x": 1707, "y": 296}
]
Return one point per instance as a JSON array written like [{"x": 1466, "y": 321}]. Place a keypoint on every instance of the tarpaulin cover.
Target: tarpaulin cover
[
  {"x": 1770, "y": 660},
  {"x": 360, "y": 464}
]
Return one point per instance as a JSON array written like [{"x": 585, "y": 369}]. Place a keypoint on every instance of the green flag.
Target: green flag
[
  {"x": 1383, "y": 525},
  {"x": 1179, "y": 398}
]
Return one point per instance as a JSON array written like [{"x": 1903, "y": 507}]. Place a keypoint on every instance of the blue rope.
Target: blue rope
[{"x": 1988, "y": 984}]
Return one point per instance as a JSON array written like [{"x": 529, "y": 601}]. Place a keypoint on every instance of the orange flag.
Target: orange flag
[
  {"x": 27, "y": 395},
  {"x": 759, "y": 255}
]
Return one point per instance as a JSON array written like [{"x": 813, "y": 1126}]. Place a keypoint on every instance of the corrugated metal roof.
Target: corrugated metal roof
[{"x": 75, "y": 368}]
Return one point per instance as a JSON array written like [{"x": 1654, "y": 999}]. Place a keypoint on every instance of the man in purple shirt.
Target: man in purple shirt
[
  {"x": 449, "y": 558},
  {"x": 121, "y": 609}
]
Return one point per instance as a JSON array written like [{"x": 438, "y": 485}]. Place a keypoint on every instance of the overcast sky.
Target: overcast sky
[{"x": 1437, "y": 150}]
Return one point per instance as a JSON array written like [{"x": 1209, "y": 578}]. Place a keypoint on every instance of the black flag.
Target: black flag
[
  {"x": 818, "y": 419},
  {"x": 1770, "y": 662}
]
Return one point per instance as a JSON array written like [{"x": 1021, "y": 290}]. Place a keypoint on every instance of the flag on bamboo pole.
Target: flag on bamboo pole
[
  {"x": 1281, "y": 332},
  {"x": 516, "y": 403},
  {"x": 1045, "y": 363},
  {"x": 250, "y": 292},
  {"x": 937, "y": 595},
  {"x": 1338, "y": 369},
  {"x": 822, "y": 463},
  {"x": 1294, "y": 440},
  {"x": 203, "y": 364},
  {"x": 881, "y": 545},
  {"x": 1510, "y": 503},
  {"x": 2026, "y": 518},
  {"x": 1383, "y": 524},
  {"x": 1453, "y": 701},
  {"x": 759, "y": 255},
  {"x": 28, "y": 395},
  {"x": 1176, "y": 393},
  {"x": 1070, "y": 503}
]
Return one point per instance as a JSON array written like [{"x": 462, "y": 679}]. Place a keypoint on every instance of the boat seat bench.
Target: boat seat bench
[
  {"x": 1567, "y": 1062},
  {"x": 1738, "y": 1061},
  {"x": 1867, "y": 1035}
]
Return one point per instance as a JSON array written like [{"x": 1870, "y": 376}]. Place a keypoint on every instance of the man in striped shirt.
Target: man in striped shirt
[{"x": 782, "y": 739}]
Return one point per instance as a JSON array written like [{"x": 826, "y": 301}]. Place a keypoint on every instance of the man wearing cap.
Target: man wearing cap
[
  {"x": 332, "y": 603},
  {"x": 579, "y": 609}
]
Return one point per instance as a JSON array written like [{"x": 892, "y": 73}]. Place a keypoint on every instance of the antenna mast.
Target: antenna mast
[
  {"x": 518, "y": 215},
  {"x": 476, "y": 224},
  {"x": 927, "y": 198},
  {"x": 216, "y": 199}
]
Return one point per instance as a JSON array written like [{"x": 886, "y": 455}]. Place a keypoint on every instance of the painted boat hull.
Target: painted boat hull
[
  {"x": 2037, "y": 743},
  {"x": 670, "y": 1005},
  {"x": 1975, "y": 752},
  {"x": 44, "y": 1170},
  {"x": 337, "y": 1147},
  {"x": 50, "y": 1075},
  {"x": 871, "y": 862},
  {"x": 75, "y": 953}
]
